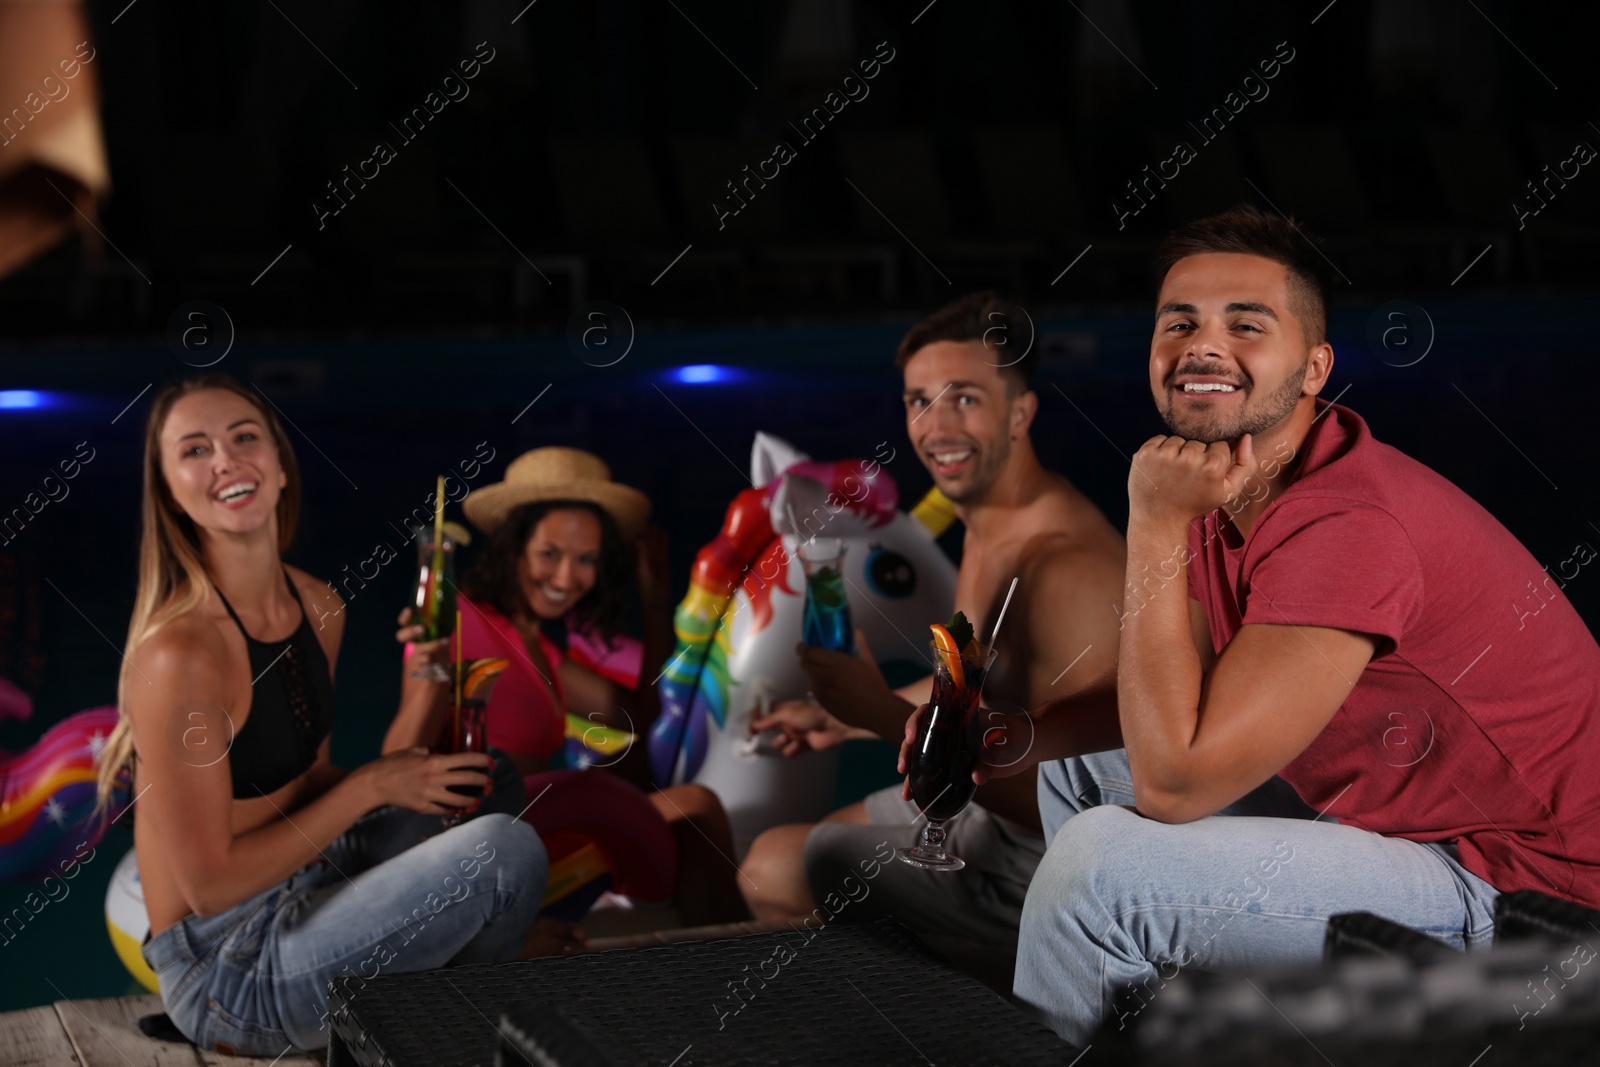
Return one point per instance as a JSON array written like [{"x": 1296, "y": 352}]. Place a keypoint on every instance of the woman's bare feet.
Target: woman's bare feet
[{"x": 553, "y": 937}]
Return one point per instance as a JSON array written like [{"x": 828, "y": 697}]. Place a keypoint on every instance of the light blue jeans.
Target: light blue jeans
[
  {"x": 393, "y": 893},
  {"x": 1121, "y": 903}
]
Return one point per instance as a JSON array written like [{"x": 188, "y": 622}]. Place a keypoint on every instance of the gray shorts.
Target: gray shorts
[{"x": 982, "y": 902}]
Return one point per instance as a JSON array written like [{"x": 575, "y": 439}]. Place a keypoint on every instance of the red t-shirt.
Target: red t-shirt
[{"x": 1478, "y": 720}]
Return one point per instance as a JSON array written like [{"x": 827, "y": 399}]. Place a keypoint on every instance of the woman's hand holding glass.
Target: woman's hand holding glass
[
  {"x": 415, "y": 779},
  {"x": 426, "y": 660}
]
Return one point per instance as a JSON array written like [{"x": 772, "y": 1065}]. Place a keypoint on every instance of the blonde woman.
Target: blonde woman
[{"x": 267, "y": 871}]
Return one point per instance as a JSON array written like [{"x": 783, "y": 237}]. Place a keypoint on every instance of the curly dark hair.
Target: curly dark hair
[{"x": 493, "y": 578}]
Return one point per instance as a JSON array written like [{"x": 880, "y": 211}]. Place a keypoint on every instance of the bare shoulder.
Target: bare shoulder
[
  {"x": 185, "y": 659},
  {"x": 1070, "y": 613},
  {"x": 1060, "y": 562},
  {"x": 1067, "y": 508},
  {"x": 192, "y": 640},
  {"x": 1075, "y": 591}
]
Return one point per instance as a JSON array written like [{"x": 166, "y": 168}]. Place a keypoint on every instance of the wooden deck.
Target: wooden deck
[{"x": 105, "y": 1033}]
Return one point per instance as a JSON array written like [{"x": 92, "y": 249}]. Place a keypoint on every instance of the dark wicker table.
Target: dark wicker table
[{"x": 865, "y": 993}]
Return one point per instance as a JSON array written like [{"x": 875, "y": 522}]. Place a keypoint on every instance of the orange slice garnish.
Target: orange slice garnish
[
  {"x": 481, "y": 673},
  {"x": 946, "y": 644}
]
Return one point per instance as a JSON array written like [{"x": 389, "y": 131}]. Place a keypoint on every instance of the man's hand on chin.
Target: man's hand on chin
[{"x": 1174, "y": 481}]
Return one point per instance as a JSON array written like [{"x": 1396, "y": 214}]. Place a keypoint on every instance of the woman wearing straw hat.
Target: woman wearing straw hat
[{"x": 550, "y": 594}]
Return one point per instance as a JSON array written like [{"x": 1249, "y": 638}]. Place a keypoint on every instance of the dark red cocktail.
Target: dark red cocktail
[
  {"x": 470, "y": 735},
  {"x": 947, "y": 748}
]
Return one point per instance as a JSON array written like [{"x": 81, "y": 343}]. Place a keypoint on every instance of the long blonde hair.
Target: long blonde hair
[{"x": 172, "y": 573}]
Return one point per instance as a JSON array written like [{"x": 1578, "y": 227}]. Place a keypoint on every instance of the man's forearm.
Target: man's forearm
[
  {"x": 917, "y": 692},
  {"x": 1159, "y": 673},
  {"x": 888, "y": 718},
  {"x": 1077, "y": 725}
]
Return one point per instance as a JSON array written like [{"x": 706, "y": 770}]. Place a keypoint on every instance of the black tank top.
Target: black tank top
[{"x": 291, "y": 707}]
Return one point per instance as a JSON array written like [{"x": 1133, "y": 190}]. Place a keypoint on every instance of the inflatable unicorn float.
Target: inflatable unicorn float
[
  {"x": 47, "y": 792},
  {"x": 736, "y": 631},
  {"x": 47, "y": 820},
  {"x": 741, "y": 619}
]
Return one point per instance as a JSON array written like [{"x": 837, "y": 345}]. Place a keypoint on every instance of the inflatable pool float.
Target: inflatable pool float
[
  {"x": 741, "y": 619},
  {"x": 127, "y": 920},
  {"x": 47, "y": 797}
]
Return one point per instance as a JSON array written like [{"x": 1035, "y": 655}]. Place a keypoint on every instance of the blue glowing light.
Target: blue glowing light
[
  {"x": 22, "y": 398},
  {"x": 702, "y": 373}
]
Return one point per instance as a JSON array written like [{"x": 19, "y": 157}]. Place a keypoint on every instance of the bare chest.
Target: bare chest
[{"x": 980, "y": 592}]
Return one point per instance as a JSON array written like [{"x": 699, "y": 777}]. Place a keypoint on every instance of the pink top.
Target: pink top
[
  {"x": 521, "y": 717},
  {"x": 1478, "y": 720}
]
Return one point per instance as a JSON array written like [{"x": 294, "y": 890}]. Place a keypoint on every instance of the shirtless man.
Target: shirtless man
[{"x": 969, "y": 406}]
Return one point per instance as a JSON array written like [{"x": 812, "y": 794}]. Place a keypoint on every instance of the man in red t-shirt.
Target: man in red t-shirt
[{"x": 1372, "y": 698}]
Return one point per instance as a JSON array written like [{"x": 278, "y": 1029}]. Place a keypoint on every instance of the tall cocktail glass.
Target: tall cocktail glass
[
  {"x": 433, "y": 598},
  {"x": 827, "y": 609},
  {"x": 948, "y": 746}
]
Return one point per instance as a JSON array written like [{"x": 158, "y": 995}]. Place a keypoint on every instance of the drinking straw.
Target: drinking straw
[
  {"x": 438, "y": 512},
  {"x": 996, "y": 631},
  {"x": 789, "y": 507},
  {"x": 434, "y": 572},
  {"x": 455, "y": 716}
]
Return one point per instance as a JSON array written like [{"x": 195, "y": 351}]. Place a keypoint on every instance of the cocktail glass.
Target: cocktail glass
[
  {"x": 470, "y": 735},
  {"x": 433, "y": 599},
  {"x": 827, "y": 609},
  {"x": 948, "y": 745}
]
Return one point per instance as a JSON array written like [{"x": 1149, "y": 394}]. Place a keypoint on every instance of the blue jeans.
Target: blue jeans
[
  {"x": 1123, "y": 901},
  {"x": 391, "y": 894}
]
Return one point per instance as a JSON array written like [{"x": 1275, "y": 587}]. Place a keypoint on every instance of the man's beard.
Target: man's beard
[
  {"x": 1211, "y": 427},
  {"x": 991, "y": 460}
]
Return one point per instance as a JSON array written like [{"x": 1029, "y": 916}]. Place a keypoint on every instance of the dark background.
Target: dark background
[
  {"x": 995, "y": 140},
  {"x": 453, "y": 289}
]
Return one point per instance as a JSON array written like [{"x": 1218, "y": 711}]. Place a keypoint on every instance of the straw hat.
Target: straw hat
[{"x": 557, "y": 474}]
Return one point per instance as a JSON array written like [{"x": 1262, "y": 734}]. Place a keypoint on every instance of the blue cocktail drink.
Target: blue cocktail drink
[{"x": 827, "y": 610}]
